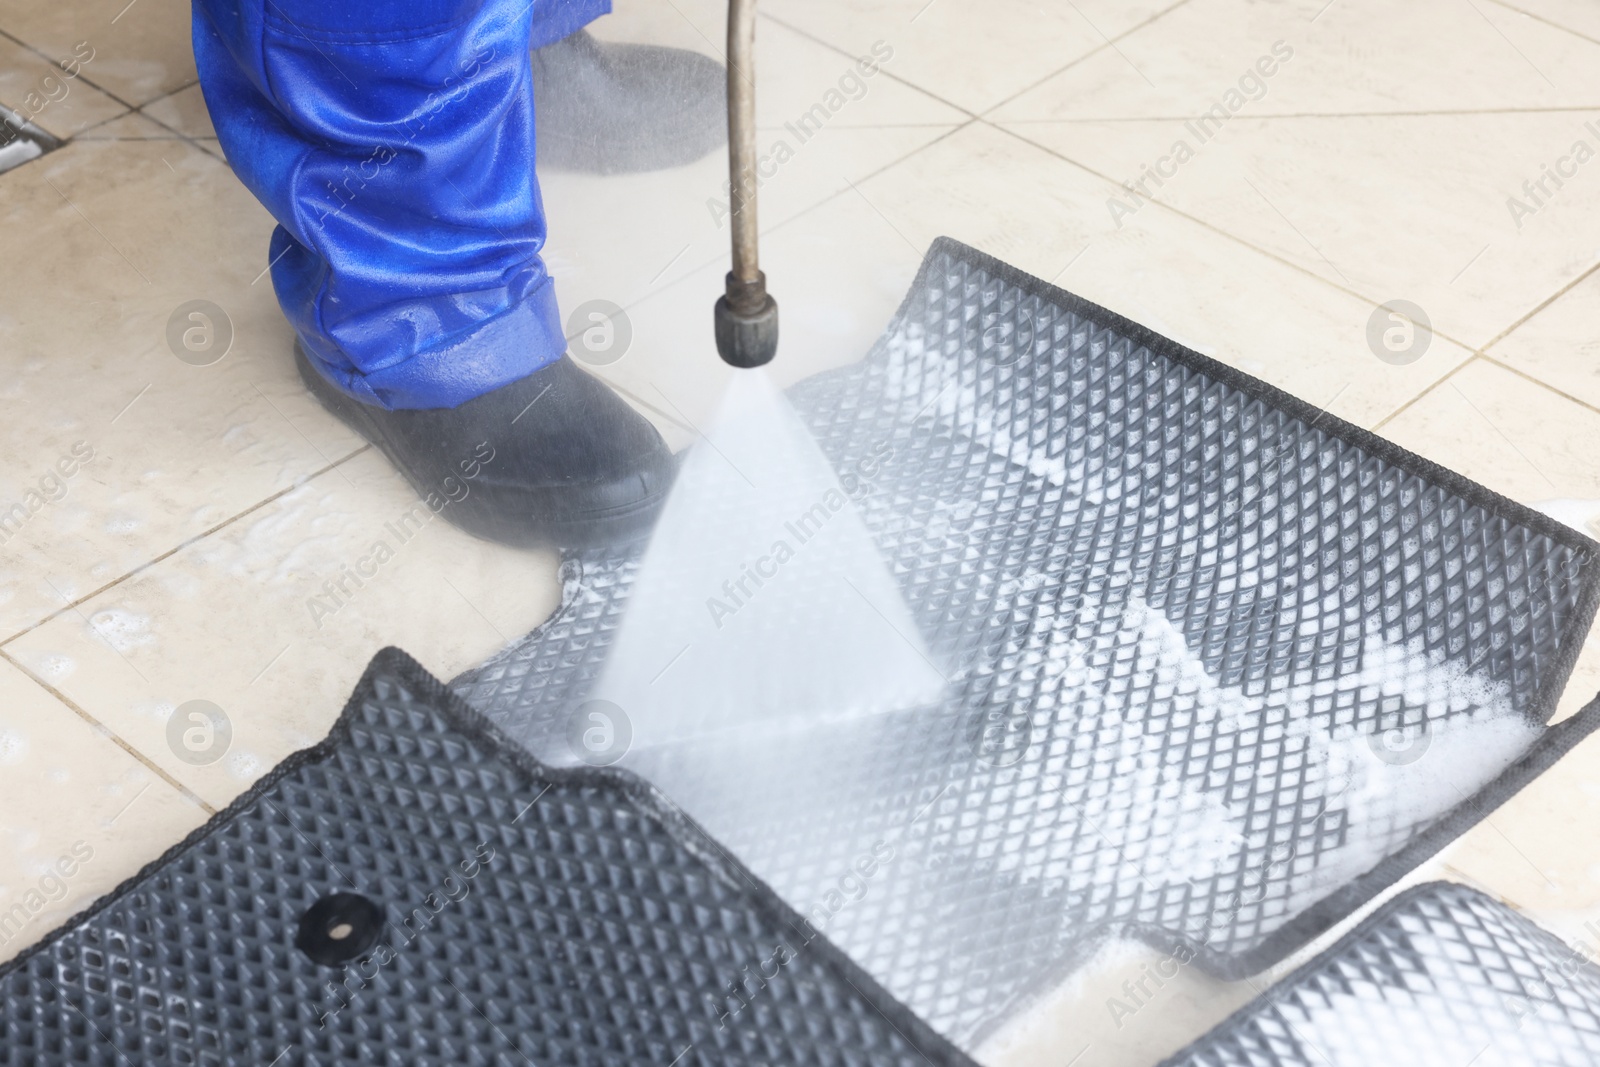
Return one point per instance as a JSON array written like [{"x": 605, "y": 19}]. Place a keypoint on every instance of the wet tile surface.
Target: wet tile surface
[
  {"x": 78, "y": 813},
  {"x": 274, "y": 617},
  {"x": 45, "y": 94},
  {"x": 134, "y": 51},
  {"x": 149, "y": 450}
]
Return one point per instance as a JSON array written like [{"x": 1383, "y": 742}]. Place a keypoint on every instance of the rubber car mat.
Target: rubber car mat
[
  {"x": 1440, "y": 976},
  {"x": 1167, "y": 596},
  {"x": 417, "y": 890}
]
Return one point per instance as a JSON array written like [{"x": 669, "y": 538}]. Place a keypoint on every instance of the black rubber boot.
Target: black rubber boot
[
  {"x": 556, "y": 459},
  {"x": 620, "y": 108}
]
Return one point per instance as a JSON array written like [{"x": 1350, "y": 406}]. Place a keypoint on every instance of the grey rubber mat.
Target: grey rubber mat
[
  {"x": 1221, "y": 666},
  {"x": 1441, "y": 976},
  {"x": 416, "y": 890}
]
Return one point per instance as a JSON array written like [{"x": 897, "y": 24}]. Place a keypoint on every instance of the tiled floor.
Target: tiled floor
[{"x": 1374, "y": 163}]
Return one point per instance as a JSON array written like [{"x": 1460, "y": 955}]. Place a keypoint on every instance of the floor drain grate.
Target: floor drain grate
[{"x": 21, "y": 141}]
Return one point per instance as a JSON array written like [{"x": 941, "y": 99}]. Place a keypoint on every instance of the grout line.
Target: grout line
[
  {"x": 1484, "y": 357},
  {"x": 814, "y": 39},
  {"x": 954, "y": 128},
  {"x": 1559, "y": 293},
  {"x": 186, "y": 138},
  {"x": 1476, "y": 351},
  {"x": 1274, "y": 256},
  {"x": 849, "y": 185},
  {"x": 808, "y": 35},
  {"x": 104, "y": 122},
  {"x": 1563, "y": 394},
  {"x": 141, "y": 568},
  {"x": 56, "y": 64},
  {"x": 110, "y": 734},
  {"x": 170, "y": 93},
  {"x": 79, "y": 137},
  {"x": 157, "y": 139},
  {"x": 1096, "y": 50},
  {"x": 1580, "y": 108},
  {"x": 1540, "y": 18},
  {"x": 1445, "y": 380}
]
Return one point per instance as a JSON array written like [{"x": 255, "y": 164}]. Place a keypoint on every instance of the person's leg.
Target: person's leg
[{"x": 394, "y": 144}]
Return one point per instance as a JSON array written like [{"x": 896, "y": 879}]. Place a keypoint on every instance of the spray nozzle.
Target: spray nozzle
[{"x": 747, "y": 323}]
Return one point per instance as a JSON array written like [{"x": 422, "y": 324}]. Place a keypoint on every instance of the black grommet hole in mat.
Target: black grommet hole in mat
[{"x": 339, "y": 928}]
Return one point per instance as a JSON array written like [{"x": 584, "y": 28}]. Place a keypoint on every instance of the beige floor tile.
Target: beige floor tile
[
  {"x": 699, "y": 25},
  {"x": 973, "y": 53},
  {"x": 184, "y": 111},
  {"x": 619, "y": 238},
  {"x": 231, "y": 619},
  {"x": 1579, "y": 16},
  {"x": 839, "y": 273},
  {"x": 1508, "y": 433},
  {"x": 132, "y": 126},
  {"x": 44, "y": 94},
  {"x": 106, "y": 240},
  {"x": 1197, "y": 287},
  {"x": 78, "y": 813},
  {"x": 140, "y": 50},
  {"x": 1560, "y": 345},
  {"x": 1355, "y": 57},
  {"x": 1345, "y": 199}
]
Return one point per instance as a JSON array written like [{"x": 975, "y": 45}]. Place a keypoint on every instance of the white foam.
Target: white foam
[
  {"x": 13, "y": 747},
  {"x": 123, "y": 630},
  {"x": 245, "y": 766},
  {"x": 56, "y": 665},
  {"x": 1124, "y": 691},
  {"x": 910, "y": 371},
  {"x": 1137, "y": 802}
]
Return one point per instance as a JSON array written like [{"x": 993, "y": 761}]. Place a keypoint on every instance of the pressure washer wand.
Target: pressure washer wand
[{"x": 747, "y": 316}]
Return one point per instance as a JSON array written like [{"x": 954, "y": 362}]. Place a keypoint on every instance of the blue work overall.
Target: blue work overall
[{"x": 394, "y": 144}]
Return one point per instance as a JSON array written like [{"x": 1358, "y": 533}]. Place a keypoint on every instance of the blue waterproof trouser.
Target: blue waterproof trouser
[{"x": 394, "y": 144}]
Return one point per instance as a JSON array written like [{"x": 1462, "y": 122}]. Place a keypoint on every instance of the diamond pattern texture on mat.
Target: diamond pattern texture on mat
[
  {"x": 1174, "y": 617},
  {"x": 528, "y": 921},
  {"x": 1445, "y": 978}
]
